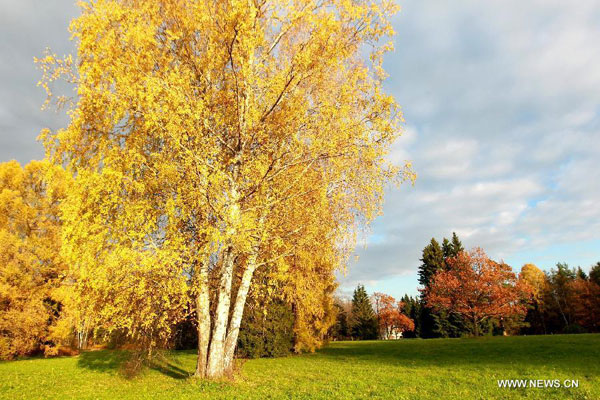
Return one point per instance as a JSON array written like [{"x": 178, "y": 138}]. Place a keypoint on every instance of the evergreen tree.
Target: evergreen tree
[
  {"x": 441, "y": 323},
  {"x": 412, "y": 308},
  {"x": 364, "y": 324},
  {"x": 267, "y": 328},
  {"x": 432, "y": 262},
  {"x": 595, "y": 273},
  {"x": 449, "y": 324},
  {"x": 447, "y": 248},
  {"x": 451, "y": 248},
  {"x": 581, "y": 274},
  {"x": 340, "y": 331},
  {"x": 431, "y": 323},
  {"x": 456, "y": 244}
]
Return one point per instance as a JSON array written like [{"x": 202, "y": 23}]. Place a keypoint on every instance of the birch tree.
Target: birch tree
[{"x": 213, "y": 138}]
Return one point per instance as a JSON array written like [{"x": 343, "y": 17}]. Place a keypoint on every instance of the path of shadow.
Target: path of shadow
[
  {"x": 102, "y": 361},
  {"x": 113, "y": 361},
  {"x": 170, "y": 369}
]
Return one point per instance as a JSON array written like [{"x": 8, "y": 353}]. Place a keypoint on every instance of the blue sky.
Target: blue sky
[{"x": 501, "y": 101}]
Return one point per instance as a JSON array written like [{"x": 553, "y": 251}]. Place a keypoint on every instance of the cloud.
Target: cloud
[
  {"x": 502, "y": 102},
  {"x": 27, "y": 27}
]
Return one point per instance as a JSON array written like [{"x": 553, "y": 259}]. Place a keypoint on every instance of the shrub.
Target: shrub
[
  {"x": 267, "y": 329},
  {"x": 574, "y": 328}
]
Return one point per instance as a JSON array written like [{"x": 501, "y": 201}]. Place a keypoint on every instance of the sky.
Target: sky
[{"x": 502, "y": 106}]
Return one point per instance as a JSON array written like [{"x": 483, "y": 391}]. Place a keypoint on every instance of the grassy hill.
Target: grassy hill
[{"x": 404, "y": 369}]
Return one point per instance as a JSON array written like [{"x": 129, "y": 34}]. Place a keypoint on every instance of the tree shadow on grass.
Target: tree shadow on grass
[
  {"x": 118, "y": 362},
  {"x": 169, "y": 368},
  {"x": 102, "y": 360}
]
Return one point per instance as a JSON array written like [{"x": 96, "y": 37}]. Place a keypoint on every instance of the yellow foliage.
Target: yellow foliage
[
  {"x": 31, "y": 268},
  {"x": 209, "y": 139},
  {"x": 535, "y": 278}
]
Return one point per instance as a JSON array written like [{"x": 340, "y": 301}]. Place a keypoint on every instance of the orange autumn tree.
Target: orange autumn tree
[
  {"x": 213, "y": 138},
  {"x": 31, "y": 268},
  {"x": 585, "y": 303},
  {"x": 390, "y": 315},
  {"x": 478, "y": 289}
]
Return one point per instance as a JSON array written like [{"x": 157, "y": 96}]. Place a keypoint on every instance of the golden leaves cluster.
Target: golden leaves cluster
[
  {"x": 31, "y": 268},
  {"x": 205, "y": 125}
]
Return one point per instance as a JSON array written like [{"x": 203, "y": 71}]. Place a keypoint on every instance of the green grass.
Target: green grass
[{"x": 405, "y": 369}]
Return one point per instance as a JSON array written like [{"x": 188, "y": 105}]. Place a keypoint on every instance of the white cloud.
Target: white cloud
[
  {"x": 503, "y": 97},
  {"x": 27, "y": 27}
]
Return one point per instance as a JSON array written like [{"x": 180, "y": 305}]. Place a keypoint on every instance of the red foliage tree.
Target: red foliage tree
[
  {"x": 478, "y": 289},
  {"x": 585, "y": 303},
  {"x": 390, "y": 316}
]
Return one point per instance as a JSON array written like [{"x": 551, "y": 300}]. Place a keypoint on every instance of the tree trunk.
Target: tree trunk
[
  {"x": 476, "y": 325},
  {"x": 203, "y": 318},
  {"x": 82, "y": 335},
  {"x": 541, "y": 312},
  {"x": 216, "y": 355},
  {"x": 561, "y": 310},
  {"x": 238, "y": 310},
  {"x": 216, "y": 362}
]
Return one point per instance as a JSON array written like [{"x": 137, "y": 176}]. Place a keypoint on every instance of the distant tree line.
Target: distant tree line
[
  {"x": 564, "y": 300},
  {"x": 466, "y": 293},
  {"x": 366, "y": 317}
]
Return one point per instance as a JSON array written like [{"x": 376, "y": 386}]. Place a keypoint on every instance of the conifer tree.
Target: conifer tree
[
  {"x": 439, "y": 323},
  {"x": 339, "y": 330},
  {"x": 363, "y": 321},
  {"x": 457, "y": 246},
  {"x": 595, "y": 273},
  {"x": 450, "y": 324},
  {"x": 447, "y": 249},
  {"x": 433, "y": 260},
  {"x": 581, "y": 274},
  {"x": 412, "y": 308}
]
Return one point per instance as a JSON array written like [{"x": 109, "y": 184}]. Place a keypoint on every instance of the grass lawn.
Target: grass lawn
[{"x": 404, "y": 369}]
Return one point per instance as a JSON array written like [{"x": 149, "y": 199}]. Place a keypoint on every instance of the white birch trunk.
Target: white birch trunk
[
  {"x": 238, "y": 311},
  {"x": 242, "y": 294},
  {"x": 203, "y": 318},
  {"x": 216, "y": 353}
]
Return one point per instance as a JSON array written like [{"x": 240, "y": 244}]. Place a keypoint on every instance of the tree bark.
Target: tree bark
[
  {"x": 561, "y": 310},
  {"x": 217, "y": 344},
  {"x": 238, "y": 310},
  {"x": 203, "y": 318}
]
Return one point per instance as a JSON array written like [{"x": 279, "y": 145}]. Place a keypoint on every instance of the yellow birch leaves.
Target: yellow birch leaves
[{"x": 208, "y": 125}]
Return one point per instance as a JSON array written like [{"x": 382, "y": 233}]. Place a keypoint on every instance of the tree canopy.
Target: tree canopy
[
  {"x": 31, "y": 268},
  {"x": 477, "y": 288},
  {"x": 211, "y": 139}
]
